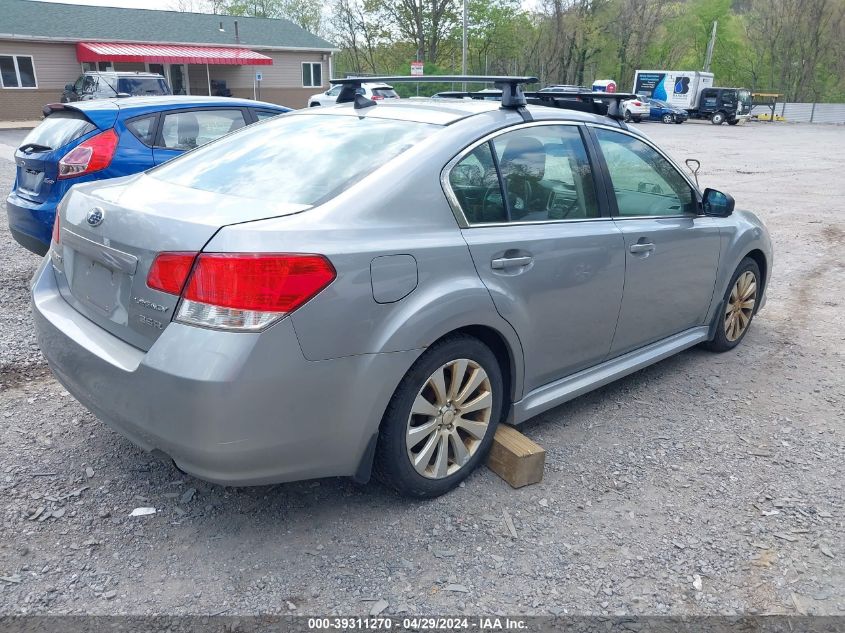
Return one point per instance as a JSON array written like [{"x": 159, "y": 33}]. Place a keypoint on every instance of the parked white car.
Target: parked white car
[
  {"x": 374, "y": 91},
  {"x": 636, "y": 109}
]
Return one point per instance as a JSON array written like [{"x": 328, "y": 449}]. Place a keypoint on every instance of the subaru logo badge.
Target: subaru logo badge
[{"x": 95, "y": 216}]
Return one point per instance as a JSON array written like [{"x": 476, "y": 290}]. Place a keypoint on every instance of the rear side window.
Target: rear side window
[
  {"x": 59, "y": 129},
  {"x": 143, "y": 128},
  {"x": 301, "y": 159},
  {"x": 266, "y": 114},
  {"x": 187, "y": 130},
  {"x": 140, "y": 86}
]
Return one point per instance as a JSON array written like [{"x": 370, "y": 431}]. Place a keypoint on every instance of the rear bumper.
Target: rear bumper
[
  {"x": 30, "y": 223},
  {"x": 231, "y": 408}
]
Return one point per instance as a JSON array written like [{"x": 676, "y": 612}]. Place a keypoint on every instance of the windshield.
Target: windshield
[
  {"x": 305, "y": 159},
  {"x": 140, "y": 86},
  {"x": 58, "y": 129},
  {"x": 659, "y": 103}
]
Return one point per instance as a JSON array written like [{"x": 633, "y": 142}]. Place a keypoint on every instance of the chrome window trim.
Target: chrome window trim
[{"x": 453, "y": 199}]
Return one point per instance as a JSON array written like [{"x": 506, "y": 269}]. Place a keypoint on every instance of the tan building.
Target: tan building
[{"x": 44, "y": 46}]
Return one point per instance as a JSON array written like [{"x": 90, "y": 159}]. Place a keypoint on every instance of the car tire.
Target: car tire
[
  {"x": 718, "y": 118},
  {"x": 668, "y": 118},
  {"x": 733, "y": 121},
  {"x": 426, "y": 464},
  {"x": 735, "y": 312},
  {"x": 627, "y": 116}
]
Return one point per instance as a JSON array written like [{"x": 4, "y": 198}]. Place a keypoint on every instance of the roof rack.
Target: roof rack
[
  {"x": 602, "y": 103},
  {"x": 512, "y": 95}
]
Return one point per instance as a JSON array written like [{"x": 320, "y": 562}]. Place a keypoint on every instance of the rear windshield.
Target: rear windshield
[
  {"x": 387, "y": 93},
  {"x": 305, "y": 159},
  {"x": 140, "y": 86},
  {"x": 57, "y": 130}
]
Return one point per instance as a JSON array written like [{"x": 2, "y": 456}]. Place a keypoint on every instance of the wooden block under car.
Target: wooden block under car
[{"x": 515, "y": 458}]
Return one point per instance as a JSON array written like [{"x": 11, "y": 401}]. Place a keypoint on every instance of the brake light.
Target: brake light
[
  {"x": 57, "y": 231},
  {"x": 376, "y": 97},
  {"x": 170, "y": 271},
  {"x": 92, "y": 155},
  {"x": 637, "y": 103},
  {"x": 239, "y": 291}
]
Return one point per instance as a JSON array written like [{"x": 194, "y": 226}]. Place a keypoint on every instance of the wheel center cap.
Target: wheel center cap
[{"x": 448, "y": 417}]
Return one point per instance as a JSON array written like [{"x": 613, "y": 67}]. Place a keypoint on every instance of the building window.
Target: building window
[
  {"x": 312, "y": 74},
  {"x": 17, "y": 71},
  {"x": 103, "y": 67}
]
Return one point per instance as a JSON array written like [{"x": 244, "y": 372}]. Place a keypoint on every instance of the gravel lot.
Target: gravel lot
[{"x": 707, "y": 484}]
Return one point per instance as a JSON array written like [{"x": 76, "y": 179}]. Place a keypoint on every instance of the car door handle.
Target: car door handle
[
  {"x": 510, "y": 262},
  {"x": 641, "y": 248}
]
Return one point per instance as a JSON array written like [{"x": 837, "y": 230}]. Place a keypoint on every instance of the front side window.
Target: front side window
[
  {"x": 17, "y": 71},
  {"x": 644, "y": 182},
  {"x": 188, "y": 130},
  {"x": 312, "y": 74},
  {"x": 300, "y": 159}
]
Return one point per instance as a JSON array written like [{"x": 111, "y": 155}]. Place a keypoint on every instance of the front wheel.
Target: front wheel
[
  {"x": 627, "y": 117},
  {"x": 718, "y": 118},
  {"x": 733, "y": 121},
  {"x": 739, "y": 305},
  {"x": 440, "y": 422},
  {"x": 668, "y": 118}
]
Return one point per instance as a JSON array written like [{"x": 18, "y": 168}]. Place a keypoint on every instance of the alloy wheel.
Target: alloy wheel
[
  {"x": 740, "y": 307},
  {"x": 449, "y": 418}
]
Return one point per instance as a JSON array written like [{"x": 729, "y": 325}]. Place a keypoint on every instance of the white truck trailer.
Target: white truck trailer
[{"x": 693, "y": 91}]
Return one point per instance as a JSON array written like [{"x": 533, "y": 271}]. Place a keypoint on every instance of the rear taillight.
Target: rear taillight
[
  {"x": 57, "y": 231},
  {"x": 376, "y": 97},
  {"x": 637, "y": 103},
  {"x": 170, "y": 271},
  {"x": 92, "y": 155},
  {"x": 239, "y": 291}
]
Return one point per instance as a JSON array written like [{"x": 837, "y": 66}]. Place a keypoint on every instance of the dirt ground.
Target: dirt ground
[{"x": 706, "y": 484}]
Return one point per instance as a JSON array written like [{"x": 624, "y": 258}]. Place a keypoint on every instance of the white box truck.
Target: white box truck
[{"x": 693, "y": 91}]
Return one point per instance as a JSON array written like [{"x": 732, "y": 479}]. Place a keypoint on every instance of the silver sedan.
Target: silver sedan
[{"x": 375, "y": 287}]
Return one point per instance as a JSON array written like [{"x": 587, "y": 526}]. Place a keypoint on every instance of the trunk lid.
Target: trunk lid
[{"x": 102, "y": 265}]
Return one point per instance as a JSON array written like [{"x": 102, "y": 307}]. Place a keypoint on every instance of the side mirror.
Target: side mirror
[
  {"x": 717, "y": 204},
  {"x": 70, "y": 88}
]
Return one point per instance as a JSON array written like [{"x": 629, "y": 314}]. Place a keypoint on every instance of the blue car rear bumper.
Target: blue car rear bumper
[{"x": 31, "y": 223}]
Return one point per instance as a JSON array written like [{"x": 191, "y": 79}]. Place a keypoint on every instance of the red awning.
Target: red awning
[{"x": 169, "y": 54}]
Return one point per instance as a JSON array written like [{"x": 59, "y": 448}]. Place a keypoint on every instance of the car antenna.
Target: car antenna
[{"x": 513, "y": 97}]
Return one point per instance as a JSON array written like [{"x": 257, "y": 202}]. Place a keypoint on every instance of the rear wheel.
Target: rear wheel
[
  {"x": 668, "y": 118},
  {"x": 718, "y": 118},
  {"x": 440, "y": 423},
  {"x": 739, "y": 306}
]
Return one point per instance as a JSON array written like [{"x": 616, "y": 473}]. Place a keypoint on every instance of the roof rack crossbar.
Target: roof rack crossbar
[
  {"x": 605, "y": 103},
  {"x": 511, "y": 87}
]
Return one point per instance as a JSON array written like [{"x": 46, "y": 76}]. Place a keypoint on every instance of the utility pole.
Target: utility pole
[
  {"x": 708, "y": 59},
  {"x": 464, "y": 47}
]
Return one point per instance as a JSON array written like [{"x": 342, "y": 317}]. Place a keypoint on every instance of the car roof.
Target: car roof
[
  {"x": 122, "y": 73},
  {"x": 166, "y": 102},
  {"x": 445, "y": 111}
]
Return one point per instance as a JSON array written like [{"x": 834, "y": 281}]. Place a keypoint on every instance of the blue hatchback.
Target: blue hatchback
[{"x": 92, "y": 140}]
